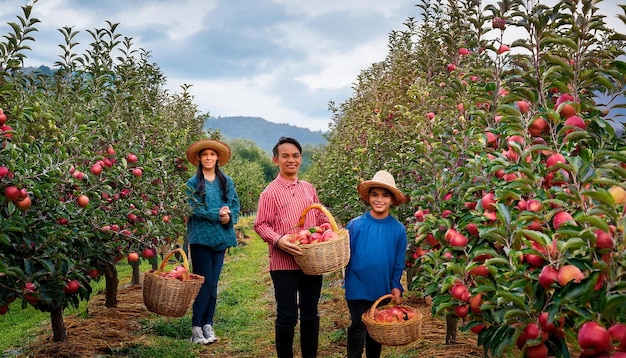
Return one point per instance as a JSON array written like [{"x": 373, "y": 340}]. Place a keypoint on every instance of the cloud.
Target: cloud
[{"x": 282, "y": 60}]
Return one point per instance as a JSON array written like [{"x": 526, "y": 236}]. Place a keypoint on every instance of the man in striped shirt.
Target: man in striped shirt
[{"x": 280, "y": 206}]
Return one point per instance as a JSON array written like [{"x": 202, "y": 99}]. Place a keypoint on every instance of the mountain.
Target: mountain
[{"x": 262, "y": 132}]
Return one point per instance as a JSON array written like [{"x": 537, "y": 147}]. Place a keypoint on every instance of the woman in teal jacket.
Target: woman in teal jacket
[{"x": 210, "y": 228}]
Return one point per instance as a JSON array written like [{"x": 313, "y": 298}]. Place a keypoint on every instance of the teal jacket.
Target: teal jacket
[{"x": 203, "y": 226}]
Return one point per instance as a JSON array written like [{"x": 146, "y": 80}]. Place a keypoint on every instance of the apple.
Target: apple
[
  {"x": 93, "y": 273},
  {"x": 326, "y": 226},
  {"x": 492, "y": 139},
  {"x": 477, "y": 328},
  {"x": 604, "y": 240},
  {"x": 534, "y": 205},
  {"x": 561, "y": 218},
  {"x": 548, "y": 276},
  {"x": 472, "y": 228},
  {"x": 430, "y": 115},
  {"x": 457, "y": 291},
  {"x": 502, "y": 49},
  {"x": 538, "y": 351},
  {"x": 458, "y": 240},
  {"x": 148, "y": 253},
  {"x": 498, "y": 23},
  {"x": 461, "y": 311},
  {"x": 545, "y": 324},
  {"x": 475, "y": 302},
  {"x": 488, "y": 202},
  {"x": 568, "y": 273},
  {"x": 131, "y": 158},
  {"x": 554, "y": 159},
  {"x": 82, "y": 200},
  {"x": 575, "y": 121},
  {"x": 431, "y": 240},
  {"x": 12, "y": 193},
  {"x": 463, "y": 51},
  {"x": 479, "y": 270},
  {"x": 451, "y": 232},
  {"x": 4, "y": 309},
  {"x": 71, "y": 287},
  {"x": 137, "y": 172},
  {"x": 96, "y": 169},
  {"x": 619, "y": 194},
  {"x": 4, "y": 172},
  {"x": 329, "y": 235},
  {"x": 618, "y": 335},
  {"x": 532, "y": 331},
  {"x": 131, "y": 217},
  {"x": 593, "y": 338},
  {"x": 451, "y": 67},
  {"x": 534, "y": 260},
  {"x": 23, "y": 204},
  {"x": 538, "y": 127},
  {"x": 133, "y": 257},
  {"x": 28, "y": 292}
]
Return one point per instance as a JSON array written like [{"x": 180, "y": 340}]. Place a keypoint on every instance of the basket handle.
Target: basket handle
[
  {"x": 375, "y": 304},
  {"x": 320, "y": 207},
  {"x": 185, "y": 262}
]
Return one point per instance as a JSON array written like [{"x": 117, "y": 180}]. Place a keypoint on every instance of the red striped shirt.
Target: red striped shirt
[{"x": 280, "y": 206}]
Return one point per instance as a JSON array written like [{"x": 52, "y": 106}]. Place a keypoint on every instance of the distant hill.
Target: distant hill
[{"x": 262, "y": 132}]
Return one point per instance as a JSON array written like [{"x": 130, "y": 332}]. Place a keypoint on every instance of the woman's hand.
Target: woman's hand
[
  {"x": 396, "y": 295},
  {"x": 290, "y": 248},
  {"x": 224, "y": 215}
]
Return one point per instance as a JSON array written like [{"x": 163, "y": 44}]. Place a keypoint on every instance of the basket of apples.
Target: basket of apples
[
  {"x": 325, "y": 248},
  {"x": 393, "y": 325},
  {"x": 169, "y": 293}
]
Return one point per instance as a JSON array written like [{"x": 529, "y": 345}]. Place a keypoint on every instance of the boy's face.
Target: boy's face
[
  {"x": 380, "y": 200},
  {"x": 288, "y": 159}
]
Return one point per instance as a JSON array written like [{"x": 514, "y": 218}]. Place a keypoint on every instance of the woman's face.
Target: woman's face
[{"x": 208, "y": 158}]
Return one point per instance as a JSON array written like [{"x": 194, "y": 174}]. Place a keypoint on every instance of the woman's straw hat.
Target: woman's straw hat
[
  {"x": 382, "y": 179},
  {"x": 222, "y": 150}
]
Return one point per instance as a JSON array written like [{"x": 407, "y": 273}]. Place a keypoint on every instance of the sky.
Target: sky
[{"x": 281, "y": 60}]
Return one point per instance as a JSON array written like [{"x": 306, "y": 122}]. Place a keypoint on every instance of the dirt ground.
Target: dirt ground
[{"x": 119, "y": 327}]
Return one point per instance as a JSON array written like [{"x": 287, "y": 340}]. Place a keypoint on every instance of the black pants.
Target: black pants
[
  {"x": 358, "y": 338},
  {"x": 294, "y": 290}
]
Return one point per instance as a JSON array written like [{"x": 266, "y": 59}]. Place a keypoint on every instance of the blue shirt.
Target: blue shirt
[
  {"x": 203, "y": 226},
  {"x": 377, "y": 257}
]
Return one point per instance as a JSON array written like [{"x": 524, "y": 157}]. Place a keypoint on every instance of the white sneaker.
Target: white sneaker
[
  {"x": 197, "y": 336},
  {"x": 209, "y": 333}
]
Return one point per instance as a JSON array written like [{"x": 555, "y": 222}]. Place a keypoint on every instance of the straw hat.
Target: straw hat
[
  {"x": 222, "y": 150},
  {"x": 382, "y": 179}
]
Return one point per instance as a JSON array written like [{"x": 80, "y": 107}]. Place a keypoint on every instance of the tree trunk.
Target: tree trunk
[
  {"x": 134, "y": 280},
  {"x": 155, "y": 262},
  {"x": 58, "y": 325},
  {"x": 451, "y": 329},
  {"x": 110, "y": 274}
]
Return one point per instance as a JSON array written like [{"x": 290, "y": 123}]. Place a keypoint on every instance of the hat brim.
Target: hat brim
[
  {"x": 222, "y": 150},
  {"x": 364, "y": 191}
]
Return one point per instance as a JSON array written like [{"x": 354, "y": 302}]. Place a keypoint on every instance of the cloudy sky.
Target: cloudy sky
[{"x": 282, "y": 60}]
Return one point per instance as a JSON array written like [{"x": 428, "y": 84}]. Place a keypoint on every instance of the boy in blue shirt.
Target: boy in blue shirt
[{"x": 378, "y": 245}]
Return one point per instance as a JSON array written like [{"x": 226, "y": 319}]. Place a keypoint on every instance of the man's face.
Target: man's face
[{"x": 288, "y": 159}]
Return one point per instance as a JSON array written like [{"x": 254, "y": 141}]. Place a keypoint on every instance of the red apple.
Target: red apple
[
  {"x": 472, "y": 228},
  {"x": 93, "y": 273},
  {"x": 548, "y": 276},
  {"x": 575, "y": 121},
  {"x": 475, "y": 302},
  {"x": 488, "y": 202},
  {"x": 538, "y": 351},
  {"x": 133, "y": 257},
  {"x": 131, "y": 158},
  {"x": 459, "y": 240},
  {"x": 148, "y": 253},
  {"x": 96, "y": 169},
  {"x": 12, "y": 193},
  {"x": 561, "y": 218},
  {"x": 71, "y": 287},
  {"x": 457, "y": 291},
  {"x": 604, "y": 240},
  {"x": 451, "y": 67},
  {"x": 593, "y": 338},
  {"x": 545, "y": 324},
  {"x": 568, "y": 273},
  {"x": 618, "y": 336},
  {"x": 538, "y": 127},
  {"x": 137, "y": 172},
  {"x": 554, "y": 159},
  {"x": 461, "y": 311},
  {"x": 498, "y": 23}
]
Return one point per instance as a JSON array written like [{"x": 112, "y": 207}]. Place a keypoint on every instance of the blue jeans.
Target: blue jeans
[{"x": 208, "y": 263}]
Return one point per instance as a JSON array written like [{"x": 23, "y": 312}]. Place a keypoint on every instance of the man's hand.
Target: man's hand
[{"x": 290, "y": 248}]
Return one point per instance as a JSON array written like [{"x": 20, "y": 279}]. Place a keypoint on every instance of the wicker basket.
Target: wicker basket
[
  {"x": 169, "y": 296},
  {"x": 393, "y": 333},
  {"x": 327, "y": 256}
]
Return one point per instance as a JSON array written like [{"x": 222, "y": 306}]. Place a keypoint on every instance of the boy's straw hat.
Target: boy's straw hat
[
  {"x": 222, "y": 150},
  {"x": 382, "y": 179}
]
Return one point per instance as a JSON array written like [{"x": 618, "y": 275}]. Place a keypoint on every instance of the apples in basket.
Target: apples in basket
[{"x": 313, "y": 235}]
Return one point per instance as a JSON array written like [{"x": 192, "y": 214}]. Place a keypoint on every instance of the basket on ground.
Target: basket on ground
[
  {"x": 327, "y": 256},
  {"x": 398, "y": 333},
  {"x": 169, "y": 296}
]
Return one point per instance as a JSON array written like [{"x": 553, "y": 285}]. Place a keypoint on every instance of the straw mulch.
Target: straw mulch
[{"x": 106, "y": 329}]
